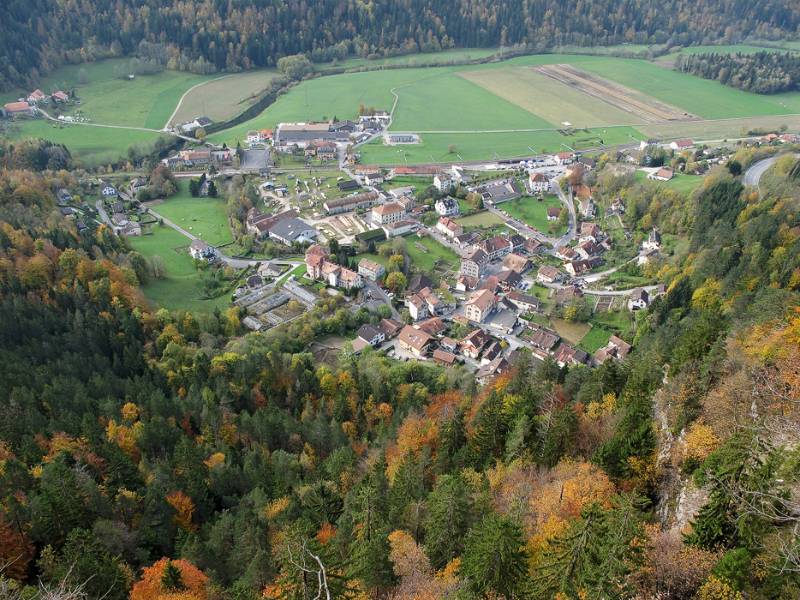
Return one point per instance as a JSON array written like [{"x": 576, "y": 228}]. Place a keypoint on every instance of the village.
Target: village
[{"x": 461, "y": 264}]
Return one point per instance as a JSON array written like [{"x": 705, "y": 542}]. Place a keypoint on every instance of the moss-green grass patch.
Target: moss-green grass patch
[
  {"x": 532, "y": 211},
  {"x": 203, "y": 217}
]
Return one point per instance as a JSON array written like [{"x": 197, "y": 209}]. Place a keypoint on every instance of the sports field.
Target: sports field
[
  {"x": 180, "y": 289},
  {"x": 204, "y": 217},
  {"x": 224, "y": 97}
]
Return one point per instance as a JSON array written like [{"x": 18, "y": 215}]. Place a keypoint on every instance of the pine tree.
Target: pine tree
[
  {"x": 171, "y": 579},
  {"x": 447, "y": 520},
  {"x": 494, "y": 558},
  {"x": 490, "y": 431}
]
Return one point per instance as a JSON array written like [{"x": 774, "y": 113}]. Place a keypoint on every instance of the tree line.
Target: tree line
[
  {"x": 37, "y": 36},
  {"x": 760, "y": 72}
]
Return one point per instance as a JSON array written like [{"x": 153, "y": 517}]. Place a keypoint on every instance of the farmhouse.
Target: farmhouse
[
  {"x": 321, "y": 149},
  {"x": 548, "y": 274},
  {"x": 565, "y": 158},
  {"x": 638, "y": 300},
  {"x": 616, "y": 348},
  {"x": 289, "y": 135},
  {"x": 292, "y": 231},
  {"x": 15, "y": 110},
  {"x": 400, "y": 228},
  {"x": 496, "y": 247},
  {"x": 448, "y": 227},
  {"x": 350, "y": 203},
  {"x": 443, "y": 183},
  {"x": 474, "y": 263},
  {"x": 653, "y": 241},
  {"x": 200, "y": 250},
  {"x": 480, "y": 306},
  {"x": 444, "y": 358},
  {"x": 37, "y": 96},
  {"x": 370, "y": 269},
  {"x": 259, "y": 224},
  {"x": 474, "y": 342},
  {"x": 684, "y": 144},
  {"x": 371, "y": 335},
  {"x": 566, "y": 354},
  {"x": 195, "y": 124},
  {"x": 542, "y": 338},
  {"x": 447, "y": 207},
  {"x": 590, "y": 232},
  {"x": 60, "y": 96},
  {"x": 662, "y": 174},
  {"x": 538, "y": 183},
  {"x": 499, "y": 191},
  {"x": 415, "y": 341},
  {"x": 523, "y": 302},
  {"x": 516, "y": 262},
  {"x": 391, "y": 212}
]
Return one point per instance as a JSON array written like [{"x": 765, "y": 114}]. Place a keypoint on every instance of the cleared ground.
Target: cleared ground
[
  {"x": 223, "y": 98},
  {"x": 551, "y": 100},
  {"x": 641, "y": 108}
]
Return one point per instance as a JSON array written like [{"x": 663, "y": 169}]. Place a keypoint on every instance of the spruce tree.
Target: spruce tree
[{"x": 495, "y": 559}]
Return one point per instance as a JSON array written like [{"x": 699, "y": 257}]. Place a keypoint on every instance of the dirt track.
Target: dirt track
[{"x": 649, "y": 111}]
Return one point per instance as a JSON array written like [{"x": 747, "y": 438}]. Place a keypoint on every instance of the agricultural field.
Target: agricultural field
[
  {"x": 89, "y": 145},
  {"x": 223, "y": 98},
  {"x": 552, "y": 100},
  {"x": 204, "y": 217},
  {"x": 435, "y": 148},
  {"x": 531, "y": 211},
  {"x": 146, "y": 102},
  {"x": 180, "y": 289}
]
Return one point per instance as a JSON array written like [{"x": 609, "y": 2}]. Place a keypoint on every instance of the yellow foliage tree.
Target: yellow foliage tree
[
  {"x": 184, "y": 509},
  {"x": 718, "y": 589}
]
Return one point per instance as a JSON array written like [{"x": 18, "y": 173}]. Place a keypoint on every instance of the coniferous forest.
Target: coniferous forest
[
  {"x": 760, "y": 72},
  {"x": 212, "y": 35}
]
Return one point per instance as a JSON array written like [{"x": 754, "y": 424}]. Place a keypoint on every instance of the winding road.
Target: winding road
[{"x": 753, "y": 175}]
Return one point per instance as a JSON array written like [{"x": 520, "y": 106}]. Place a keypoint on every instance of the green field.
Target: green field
[
  {"x": 680, "y": 183},
  {"x": 146, "y": 101},
  {"x": 425, "y": 260},
  {"x": 483, "y": 219},
  {"x": 180, "y": 289},
  {"x": 435, "y": 147},
  {"x": 596, "y": 338},
  {"x": 223, "y": 98},
  {"x": 204, "y": 217},
  {"x": 90, "y": 145},
  {"x": 530, "y": 211}
]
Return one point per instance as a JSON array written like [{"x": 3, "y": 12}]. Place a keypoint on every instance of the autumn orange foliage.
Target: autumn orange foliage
[
  {"x": 184, "y": 509},
  {"x": 149, "y": 587},
  {"x": 16, "y": 551}
]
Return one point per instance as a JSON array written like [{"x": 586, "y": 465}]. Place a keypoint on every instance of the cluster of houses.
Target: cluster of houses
[
  {"x": 545, "y": 343},
  {"x": 200, "y": 157},
  {"x": 26, "y": 107}
]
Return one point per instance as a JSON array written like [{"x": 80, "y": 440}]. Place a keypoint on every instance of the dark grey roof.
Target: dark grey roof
[
  {"x": 290, "y": 229},
  {"x": 368, "y": 332}
]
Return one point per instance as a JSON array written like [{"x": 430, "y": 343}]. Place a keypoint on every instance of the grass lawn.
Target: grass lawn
[
  {"x": 225, "y": 97},
  {"x": 298, "y": 272},
  {"x": 89, "y": 145},
  {"x": 570, "y": 331},
  {"x": 483, "y": 220},
  {"x": 619, "y": 320},
  {"x": 180, "y": 289},
  {"x": 424, "y": 260},
  {"x": 680, "y": 183},
  {"x": 596, "y": 338},
  {"x": 418, "y": 183},
  {"x": 204, "y": 217},
  {"x": 531, "y": 211}
]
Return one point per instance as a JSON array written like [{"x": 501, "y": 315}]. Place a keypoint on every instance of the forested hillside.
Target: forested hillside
[
  {"x": 207, "y": 35},
  {"x": 154, "y": 455}
]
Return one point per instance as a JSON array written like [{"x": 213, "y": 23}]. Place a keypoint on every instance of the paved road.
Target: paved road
[{"x": 752, "y": 176}]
